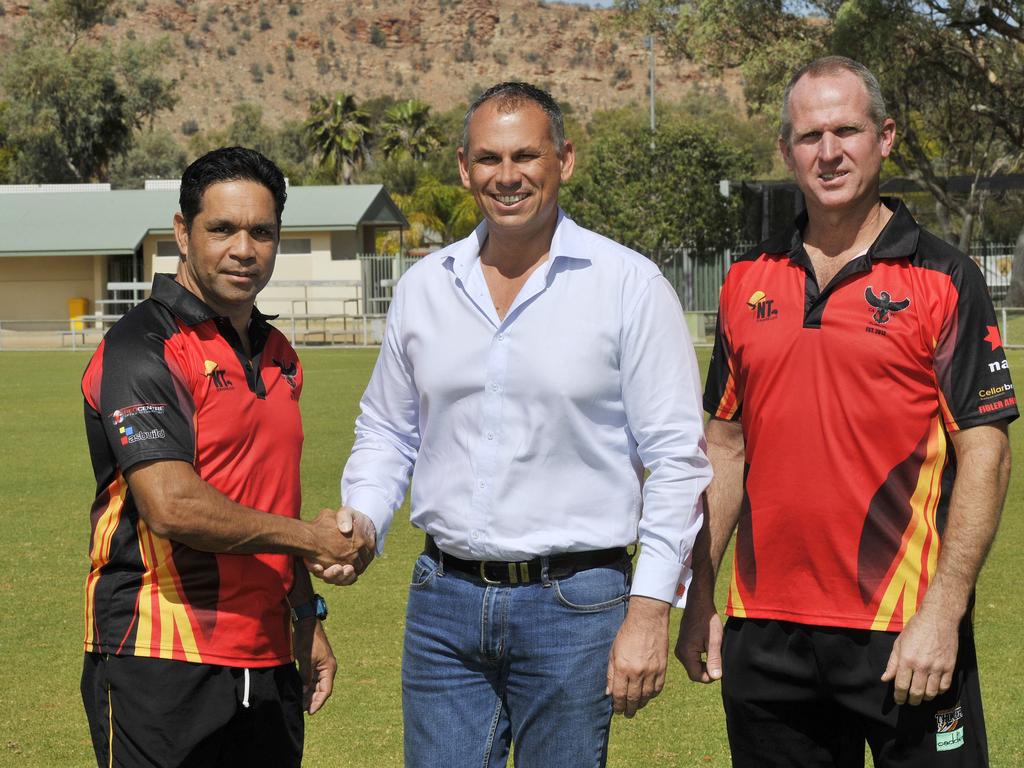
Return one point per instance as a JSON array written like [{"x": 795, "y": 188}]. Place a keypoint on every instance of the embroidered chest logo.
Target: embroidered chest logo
[
  {"x": 220, "y": 378},
  {"x": 288, "y": 371},
  {"x": 883, "y": 305},
  {"x": 762, "y": 307}
]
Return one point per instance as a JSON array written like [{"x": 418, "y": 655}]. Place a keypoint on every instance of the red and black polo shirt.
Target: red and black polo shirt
[
  {"x": 170, "y": 381},
  {"x": 847, "y": 396}
]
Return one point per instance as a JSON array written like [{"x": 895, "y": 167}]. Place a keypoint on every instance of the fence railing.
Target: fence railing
[
  {"x": 352, "y": 311},
  {"x": 698, "y": 281}
]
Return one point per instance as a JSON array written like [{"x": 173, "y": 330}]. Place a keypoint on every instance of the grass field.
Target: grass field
[{"x": 45, "y": 490}]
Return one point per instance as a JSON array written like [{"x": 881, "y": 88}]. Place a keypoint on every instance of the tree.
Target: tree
[
  {"x": 446, "y": 209},
  {"x": 338, "y": 132},
  {"x": 68, "y": 116},
  {"x": 952, "y": 73},
  {"x": 658, "y": 200},
  {"x": 6, "y": 150},
  {"x": 74, "y": 107},
  {"x": 407, "y": 129},
  {"x": 154, "y": 155}
]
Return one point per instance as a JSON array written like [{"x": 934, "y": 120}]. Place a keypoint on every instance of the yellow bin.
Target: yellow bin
[{"x": 76, "y": 308}]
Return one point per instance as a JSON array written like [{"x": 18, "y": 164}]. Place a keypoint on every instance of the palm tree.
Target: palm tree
[
  {"x": 338, "y": 131},
  {"x": 447, "y": 209},
  {"x": 408, "y": 129}
]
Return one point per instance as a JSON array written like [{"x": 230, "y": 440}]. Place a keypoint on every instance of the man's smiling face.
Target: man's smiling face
[{"x": 513, "y": 168}]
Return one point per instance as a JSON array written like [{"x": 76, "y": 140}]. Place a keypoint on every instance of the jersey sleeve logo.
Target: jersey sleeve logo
[
  {"x": 993, "y": 337},
  {"x": 140, "y": 409},
  {"x": 884, "y": 305}
]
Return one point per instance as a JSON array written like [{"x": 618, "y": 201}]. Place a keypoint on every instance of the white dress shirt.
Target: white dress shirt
[{"x": 529, "y": 436}]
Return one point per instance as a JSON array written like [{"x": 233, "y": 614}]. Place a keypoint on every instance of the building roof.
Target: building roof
[{"x": 116, "y": 221}]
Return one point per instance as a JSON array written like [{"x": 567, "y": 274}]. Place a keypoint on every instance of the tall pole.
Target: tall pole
[{"x": 650, "y": 47}]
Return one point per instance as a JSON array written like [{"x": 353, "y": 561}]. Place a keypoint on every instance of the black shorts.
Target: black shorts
[
  {"x": 799, "y": 696},
  {"x": 156, "y": 712}
]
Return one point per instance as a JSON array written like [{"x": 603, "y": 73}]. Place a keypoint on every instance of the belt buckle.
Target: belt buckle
[{"x": 483, "y": 574}]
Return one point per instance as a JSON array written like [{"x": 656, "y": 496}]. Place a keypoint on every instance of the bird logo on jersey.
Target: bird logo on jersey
[
  {"x": 884, "y": 305},
  {"x": 288, "y": 371}
]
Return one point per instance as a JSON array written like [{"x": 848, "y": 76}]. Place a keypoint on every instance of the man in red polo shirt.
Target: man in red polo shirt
[
  {"x": 859, "y": 399},
  {"x": 197, "y": 594}
]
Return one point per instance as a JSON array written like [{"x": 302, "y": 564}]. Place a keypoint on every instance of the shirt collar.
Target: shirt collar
[
  {"x": 192, "y": 310},
  {"x": 565, "y": 244},
  {"x": 897, "y": 240}
]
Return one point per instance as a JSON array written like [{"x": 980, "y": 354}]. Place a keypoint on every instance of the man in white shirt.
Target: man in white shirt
[{"x": 528, "y": 376}]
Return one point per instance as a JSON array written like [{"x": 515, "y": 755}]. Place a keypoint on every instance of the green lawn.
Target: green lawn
[{"x": 45, "y": 492}]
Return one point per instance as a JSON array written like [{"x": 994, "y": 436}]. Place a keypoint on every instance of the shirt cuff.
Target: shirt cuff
[
  {"x": 660, "y": 579},
  {"x": 375, "y": 507}
]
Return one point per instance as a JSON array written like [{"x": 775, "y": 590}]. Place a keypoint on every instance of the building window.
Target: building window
[
  {"x": 166, "y": 248},
  {"x": 296, "y": 245}
]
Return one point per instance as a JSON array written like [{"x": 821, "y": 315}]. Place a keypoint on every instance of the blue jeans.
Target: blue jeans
[{"x": 485, "y": 666}]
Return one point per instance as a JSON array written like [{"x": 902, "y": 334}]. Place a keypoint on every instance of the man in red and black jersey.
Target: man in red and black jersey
[
  {"x": 859, "y": 399},
  {"x": 197, "y": 600}
]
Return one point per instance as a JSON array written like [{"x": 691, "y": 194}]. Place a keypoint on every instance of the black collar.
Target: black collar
[
  {"x": 897, "y": 240},
  {"x": 192, "y": 310}
]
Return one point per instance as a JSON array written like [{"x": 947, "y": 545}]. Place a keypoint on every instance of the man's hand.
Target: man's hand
[
  {"x": 923, "y": 657},
  {"x": 700, "y": 632},
  {"x": 317, "y": 665},
  {"x": 639, "y": 655},
  {"x": 357, "y": 528}
]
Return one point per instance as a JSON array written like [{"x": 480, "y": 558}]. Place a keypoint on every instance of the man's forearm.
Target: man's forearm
[
  {"x": 177, "y": 504},
  {"x": 983, "y": 472},
  {"x": 302, "y": 585},
  {"x": 724, "y": 498}
]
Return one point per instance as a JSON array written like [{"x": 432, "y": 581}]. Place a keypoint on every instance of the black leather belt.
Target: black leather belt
[{"x": 525, "y": 571}]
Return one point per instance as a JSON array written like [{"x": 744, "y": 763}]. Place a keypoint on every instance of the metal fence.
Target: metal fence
[
  {"x": 699, "y": 280},
  {"x": 359, "y": 318}
]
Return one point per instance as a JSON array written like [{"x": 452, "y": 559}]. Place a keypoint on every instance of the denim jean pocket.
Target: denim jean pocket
[
  {"x": 422, "y": 572},
  {"x": 595, "y": 589}
]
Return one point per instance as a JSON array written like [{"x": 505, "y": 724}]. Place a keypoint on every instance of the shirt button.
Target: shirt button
[
  {"x": 475, "y": 535},
  {"x": 501, "y": 337},
  {"x": 490, "y": 435},
  {"x": 481, "y": 484},
  {"x": 495, "y": 386}
]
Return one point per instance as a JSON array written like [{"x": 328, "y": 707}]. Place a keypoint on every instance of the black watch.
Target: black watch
[{"x": 317, "y": 607}]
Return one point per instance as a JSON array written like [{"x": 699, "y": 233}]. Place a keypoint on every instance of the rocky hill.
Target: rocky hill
[{"x": 281, "y": 54}]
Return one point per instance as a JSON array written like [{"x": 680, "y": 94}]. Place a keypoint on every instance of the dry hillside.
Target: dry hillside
[{"x": 280, "y": 54}]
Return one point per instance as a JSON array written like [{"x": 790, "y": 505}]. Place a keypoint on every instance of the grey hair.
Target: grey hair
[
  {"x": 511, "y": 96},
  {"x": 831, "y": 65}
]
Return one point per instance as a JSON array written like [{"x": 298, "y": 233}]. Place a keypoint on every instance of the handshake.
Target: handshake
[{"x": 344, "y": 544}]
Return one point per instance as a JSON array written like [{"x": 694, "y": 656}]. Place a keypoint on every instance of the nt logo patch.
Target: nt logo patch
[{"x": 220, "y": 377}]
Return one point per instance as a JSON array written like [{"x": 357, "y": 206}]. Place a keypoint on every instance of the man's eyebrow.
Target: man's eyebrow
[
  {"x": 484, "y": 151},
  {"x": 223, "y": 222}
]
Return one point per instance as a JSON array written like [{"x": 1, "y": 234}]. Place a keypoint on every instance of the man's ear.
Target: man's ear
[
  {"x": 787, "y": 153},
  {"x": 181, "y": 235},
  {"x": 463, "y": 167},
  {"x": 567, "y": 160}
]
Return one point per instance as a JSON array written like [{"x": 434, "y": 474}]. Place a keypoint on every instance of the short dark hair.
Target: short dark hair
[
  {"x": 833, "y": 65},
  {"x": 229, "y": 164},
  {"x": 510, "y": 96}
]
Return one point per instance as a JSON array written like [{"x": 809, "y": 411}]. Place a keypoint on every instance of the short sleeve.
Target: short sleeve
[
  {"x": 722, "y": 395},
  {"x": 139, "y": 391},
  {"x": 971, "y": 369}
]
